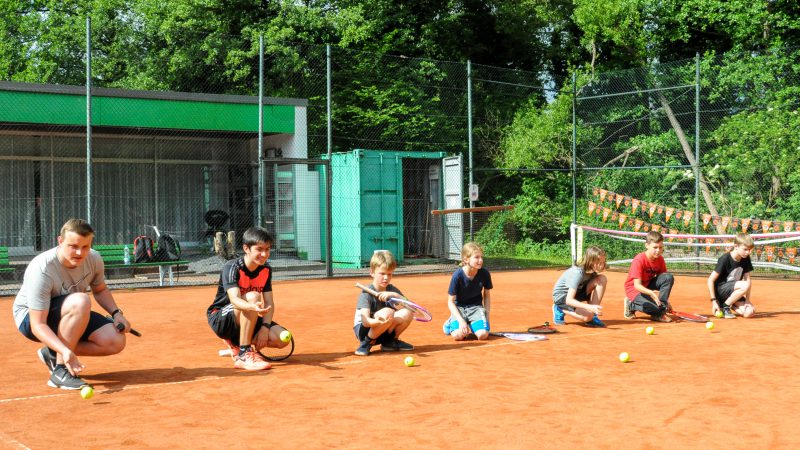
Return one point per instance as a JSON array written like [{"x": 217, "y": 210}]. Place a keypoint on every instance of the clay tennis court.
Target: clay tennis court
[{"x": 733, "y": 387}]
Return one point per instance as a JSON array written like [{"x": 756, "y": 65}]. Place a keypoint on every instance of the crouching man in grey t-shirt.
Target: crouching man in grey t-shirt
[{"x": 53, "y": 306}]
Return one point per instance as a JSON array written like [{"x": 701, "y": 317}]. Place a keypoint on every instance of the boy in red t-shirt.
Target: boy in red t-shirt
[{"x": 649, "y": 284}]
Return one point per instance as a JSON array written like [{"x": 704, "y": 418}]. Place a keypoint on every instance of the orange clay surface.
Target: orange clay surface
[{"x": 737, "y": 386}]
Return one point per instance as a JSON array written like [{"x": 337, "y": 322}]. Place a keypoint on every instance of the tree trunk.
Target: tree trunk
[{"x": 687, "y": 150}]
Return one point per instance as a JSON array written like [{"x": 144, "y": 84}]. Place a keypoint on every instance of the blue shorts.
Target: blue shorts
[
  {"x": 96, "y": 320},
  {"x": 475, "y": 315}
]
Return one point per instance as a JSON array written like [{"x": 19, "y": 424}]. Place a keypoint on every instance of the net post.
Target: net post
[{"x": 576, "y": 241}]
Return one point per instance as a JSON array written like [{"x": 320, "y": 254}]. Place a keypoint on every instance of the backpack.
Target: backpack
[
  {"x": 143, "y": 249},
  {"x": 168, "y": 249}
]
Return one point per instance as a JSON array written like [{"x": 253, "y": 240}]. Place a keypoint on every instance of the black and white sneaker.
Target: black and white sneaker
[
  {"x": 48, "y": 358},
  {"x": 62, "y": 379},
  {"x": 396, "y": 345}
]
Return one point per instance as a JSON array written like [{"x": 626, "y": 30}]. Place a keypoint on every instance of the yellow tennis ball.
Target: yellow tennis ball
[
  {"x": 286, "y": 336},
  {"x": 87, "y": 392},
  {"x": 624, "y": 357},
  {"x": 409, "y": 361},
  {"x": 649, "y": 330},
  {"x": 719, "y": 314},
  {"x": 710, "y": 325}
]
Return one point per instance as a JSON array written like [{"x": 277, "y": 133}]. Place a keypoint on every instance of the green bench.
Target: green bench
[
  {"x": 5, "y": 265},
  {"x": 114, "y": 258}
]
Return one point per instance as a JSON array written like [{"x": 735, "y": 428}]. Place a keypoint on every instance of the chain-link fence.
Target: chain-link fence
[{"x": 356, "y": 149}]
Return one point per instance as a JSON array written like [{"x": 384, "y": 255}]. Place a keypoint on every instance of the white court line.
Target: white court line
[{"x": 13, "y": 442}]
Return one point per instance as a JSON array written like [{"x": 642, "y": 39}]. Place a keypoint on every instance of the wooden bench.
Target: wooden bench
[
  {"x": 114, "y": 258},
  {"x": 5, "y": 265}
]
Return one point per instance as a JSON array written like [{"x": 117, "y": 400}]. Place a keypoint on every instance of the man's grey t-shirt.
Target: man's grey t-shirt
[{"x": 46, "y": 278}]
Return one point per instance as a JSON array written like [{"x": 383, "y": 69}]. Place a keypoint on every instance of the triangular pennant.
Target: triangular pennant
[
  {"x": 622, "y": 219},
  {"x": 787, "y": 225},
  {"x": 706, "y": 220},
  {"x": 620, "y": 198},
  {"x": 724, "y": 222},
  {"x": 634, "y": 205},
  {"x": 638, "y": 224},
  {"x": 652, "y": 209},
  {"x": 606, "y": 212},
  {"x": 745, "y": 224},
  {"x": 603, "y": 194},
  {"x": 687, "y": 218},
  {"x": 669, "y": 213},
  {"x": 766, "y": 225},
  {"x": 592, "y": 206}
]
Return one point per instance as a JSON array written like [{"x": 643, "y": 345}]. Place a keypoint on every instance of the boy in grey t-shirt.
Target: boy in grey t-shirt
[{"x": 53, "y": 307}]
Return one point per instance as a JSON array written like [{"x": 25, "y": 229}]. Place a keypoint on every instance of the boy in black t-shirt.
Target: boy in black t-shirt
[
  {"x": 729, "y": 284},
  {"x": 242, "y": 311}
]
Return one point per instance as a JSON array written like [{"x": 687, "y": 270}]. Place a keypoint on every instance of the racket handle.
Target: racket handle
[
  {"x": 121, "y": 327},
  {"x": 369, "y": 291}
]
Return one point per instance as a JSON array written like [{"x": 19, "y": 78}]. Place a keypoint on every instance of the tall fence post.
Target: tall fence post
[
  {"x": 469, "y": 140},
  {"x": 574, "y": 152},
  {"x": 261, "y": 188},
  {"x": 88, "y": 119},
  {"x": 328, "y": 169},
  {"x": 697, "y": 144}
]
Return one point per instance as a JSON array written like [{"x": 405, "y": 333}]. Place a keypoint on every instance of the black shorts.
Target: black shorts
[
  {"x": 96, "y": 320},
  {"x": 225, "y": 327},
  {"x": 724, "y": 290}
]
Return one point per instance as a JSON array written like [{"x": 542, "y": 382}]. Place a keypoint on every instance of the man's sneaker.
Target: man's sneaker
[
  {"x": 446, "y": 327},
  {"x": 364, "y": 348},
  {"x": 558, "y": 315},
  {"x": 250, "y": 360},
  {"x": 627, "y": 311},
  {"x": 727, "y": 313},
  {"x": 48, "y": 358},
  {"x": 234, "y": 349},
  {"x": 397, "y": 345},
  {"x": 62, "y": 379},
  {"x": 596, "y": 322}
]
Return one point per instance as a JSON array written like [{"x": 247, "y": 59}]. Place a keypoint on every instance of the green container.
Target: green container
[{"x": 367, "y": 204}]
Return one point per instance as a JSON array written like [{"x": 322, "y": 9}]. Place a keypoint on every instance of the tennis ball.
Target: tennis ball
[
  {"x": 710, "y": 325},
  {"x": 719, "y": 314},
  {"x": 624, "y": 357},
  {"x": 286, "y": 336},
  {"x": 649, "y": 330},
  {"x": 87, "y": 392},
  {"x": 409, "y": 361}
]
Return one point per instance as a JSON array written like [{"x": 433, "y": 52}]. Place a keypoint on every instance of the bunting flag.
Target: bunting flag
[
  {"x": 734, "y": 223},
  {"x": 627, "y": 200},
  {"x": 745, "y": 224},
  {"x": 614, "y": 216},
  {"x": 709, "y": 241},
  {"x": 756, "y": 223},
  {"x": 592, "y": 206},
  {"x": 770, "y": 251},
  {"x": 766, "y": 225},
  {"x": 645, "y": 205},
  {"x": 603, "y": 194},
  {"x": 791, "y": 252},
  {"x": 606, "y": 212},
  {"x": 656, "y": 227},
  {"x": 652, "y": 209},
  {"x": 622, "y": 219},
  {"x": 620, "y": 198},
  {"x": 634, "y": 205},
  {"x": 780, "y": 253},
  {"x": 595, "y": 191},
  {"x": 678, "y": 214},
  {"x": 672, "y": 231},
  {"x": 706, "y": 220},
  {"x": 787, "y": 226},
  {"x": 715, "y": 220},
  {"x": 630, "y": 222},
  {"x": 687, "y": 218},
  {"x": 776, "y": 226},
  {"x": 725, "y": 221},
  {"x": 638, "y": 224},
  {"x": 660, "y": 209},
  {"x": 669, "y": 213},
  {"x": 689, "y": 242},
  {"x": 646, "y": 227}
]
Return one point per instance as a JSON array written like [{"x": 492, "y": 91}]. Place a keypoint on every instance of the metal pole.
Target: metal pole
[
  {"x": 88, "y": 120},
  {"x": 328, "y": 171},
  {"x": 469, "y": 139},
  {"x": 261, "y": 187},
  {"x": 574, "y": 151},
  {"x": 697, "y": 144}
]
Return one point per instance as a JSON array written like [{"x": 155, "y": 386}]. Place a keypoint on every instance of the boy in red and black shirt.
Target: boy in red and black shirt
[
  {"x": 649, "y": 284},
  {"x": 242, "y": 311}
]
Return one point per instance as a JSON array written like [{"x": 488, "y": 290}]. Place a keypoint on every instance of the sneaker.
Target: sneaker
[
  {"x": 446, "y": 327},
  {"x": 233, "y": 348},
  {"x": 48, "y": 358},
  {"x": 558, "y": 315},
  {"x": 627, "y": 311},
  {"x": 397, "y": 345},
  {"x": 727, "y": 312},
  {"x": 596, "y": 322},
  {"x": 62, "y": 379},
  {"x": 250, "y": 360},
  {"x": 364, "y": 348}
]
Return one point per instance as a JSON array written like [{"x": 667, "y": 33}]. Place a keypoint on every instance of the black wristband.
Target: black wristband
[{"x": 114, "y": 313}]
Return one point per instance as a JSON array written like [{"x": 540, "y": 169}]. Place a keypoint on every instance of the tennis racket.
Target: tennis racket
[
  {"x": 546, "y": 328},
  {"x": 269, "y": 353},
  {"x": 517, "y": 336},
  {"x": 689, "y": 316},
  {"x": 419, "y": 312},
  {"x": 121, "y": 327}
]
